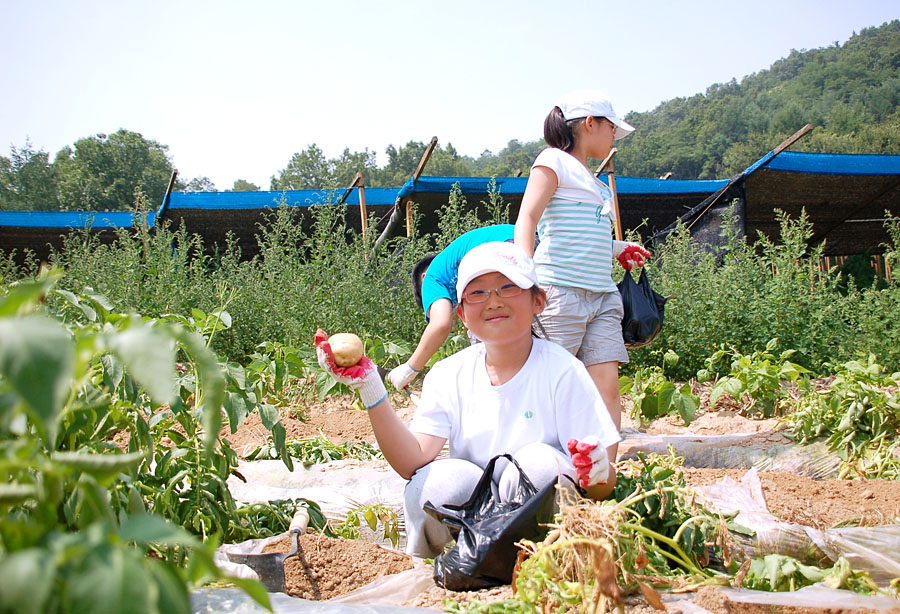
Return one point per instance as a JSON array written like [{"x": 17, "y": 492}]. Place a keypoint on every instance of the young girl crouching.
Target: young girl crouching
[{"x": 512, "y": 393}]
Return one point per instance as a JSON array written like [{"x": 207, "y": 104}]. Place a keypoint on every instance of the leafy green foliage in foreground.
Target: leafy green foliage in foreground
[{"x": 80, "y": 517}]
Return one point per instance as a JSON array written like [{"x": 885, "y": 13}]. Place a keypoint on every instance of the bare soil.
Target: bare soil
[
  {"x": 820, "y": 504},
  {"x": 334, "y": 417}
]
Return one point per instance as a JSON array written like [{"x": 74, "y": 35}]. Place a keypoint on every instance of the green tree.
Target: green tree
[
  {"x": 349, "y": 163},
  {"x": 101, "y": 172},
  {"x": 514, "y": 159},
  {"x": 27, "y": 181},
  {"x": 849, "y": 92},
  {"x": 402, "y": 162},
  {"x": 241, "y": 185},
  {"x": 199, "y": 184},
  {"x": 306, "y": 170}
]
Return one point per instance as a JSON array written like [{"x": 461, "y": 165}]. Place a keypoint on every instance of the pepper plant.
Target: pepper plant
[{"x": 76, "y": 526}]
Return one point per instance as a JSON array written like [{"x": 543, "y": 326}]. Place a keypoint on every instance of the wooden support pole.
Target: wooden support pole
[
  {"x": 363, "y": 216},
  {"x": 403, "y": 204},
  {"x": 608, "y": 167},
  {"x": 607, "y": 161},
  {"x": 419, "y": 170},
  {"x": 793, "y": 139},
  {"x": 358, "y": 183}
]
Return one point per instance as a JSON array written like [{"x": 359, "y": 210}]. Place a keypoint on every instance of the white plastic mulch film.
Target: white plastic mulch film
[
  {"x": 875, "y": 550},
  {"x": 340, "y": 486}
]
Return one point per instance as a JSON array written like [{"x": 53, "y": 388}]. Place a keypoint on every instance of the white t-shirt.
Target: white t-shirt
[
  {"x": 551, "y": 400},
  {"x": 575, "y": 230}
]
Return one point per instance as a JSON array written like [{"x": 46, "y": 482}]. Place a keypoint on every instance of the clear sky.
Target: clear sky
[{"x": 235, "y": 88}]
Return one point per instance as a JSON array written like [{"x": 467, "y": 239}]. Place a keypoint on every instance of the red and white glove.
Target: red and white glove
[
  {"x": 630, "y": 254},
  {"x": 363, "y": 376},
  {"x": 590, "y": 459}
]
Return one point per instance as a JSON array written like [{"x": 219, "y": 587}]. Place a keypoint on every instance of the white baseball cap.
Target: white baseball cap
[
  {"x": 593, "y": 103},
  {"x": 496, "y": 256}
]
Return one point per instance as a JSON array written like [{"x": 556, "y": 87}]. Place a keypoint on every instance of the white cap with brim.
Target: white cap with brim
[
  {"x": 496, "y": 257},
  {"x": 593, "y": 103}
]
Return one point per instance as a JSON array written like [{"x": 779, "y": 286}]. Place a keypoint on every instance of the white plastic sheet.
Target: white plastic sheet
[
  {"x": 234, "y": 601},
  {"x": 875, "y": 550},
  {"x": 731, "y": 452},
  {"x": 816, "y": 596},
  {"x": 337, "y": 487}
]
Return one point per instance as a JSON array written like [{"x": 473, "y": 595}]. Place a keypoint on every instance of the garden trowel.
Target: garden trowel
[{"x": 269, "y": 566}]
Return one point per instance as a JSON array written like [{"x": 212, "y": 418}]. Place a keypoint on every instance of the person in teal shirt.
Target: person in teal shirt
[{"x": 434, "y": 287}]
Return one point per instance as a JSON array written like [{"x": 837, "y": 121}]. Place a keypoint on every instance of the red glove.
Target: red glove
[
  {"x": 363, "y": 376},
  {"x": 590, "y": 459},
  {"x": 326, "y": 356},
  {"x": 633, "y": 255}
]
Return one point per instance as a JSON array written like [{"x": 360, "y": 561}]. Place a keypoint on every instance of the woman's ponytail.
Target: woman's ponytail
[{"x": 558, "y": 132}]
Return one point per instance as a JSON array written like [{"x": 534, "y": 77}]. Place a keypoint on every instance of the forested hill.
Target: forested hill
[{"x": 850, "y": 93}]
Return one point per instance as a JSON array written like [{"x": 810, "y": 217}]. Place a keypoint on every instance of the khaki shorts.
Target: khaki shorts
[{"x": 588, "y": 324}]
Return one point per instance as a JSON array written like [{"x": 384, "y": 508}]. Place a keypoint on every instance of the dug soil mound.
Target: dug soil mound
[{"x": 328, "y": 567}]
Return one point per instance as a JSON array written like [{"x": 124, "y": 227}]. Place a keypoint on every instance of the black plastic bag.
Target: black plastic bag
[
  {"x": 486, "y": 531},
  {"x": 644, "y": 308}
]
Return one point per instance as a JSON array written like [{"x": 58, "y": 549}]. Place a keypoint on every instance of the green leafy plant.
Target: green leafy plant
[
  {"x": 274, "y": 517},
  {"x": 758, "y": 376},
  {"x": 452, "y": 345},
  {"x": 780, "y": 573},
  {"x": 77, "y": 529},
  {"x": 654, "y": 396},
  {"x": 373, "y": 515},
  {"x": 319, "y": 449},
  {"x": 858, "y": 414}
]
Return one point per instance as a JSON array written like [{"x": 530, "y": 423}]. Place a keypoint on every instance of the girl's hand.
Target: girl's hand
[
  {"x": 590, "y": 460},
  {"x": 630, "y": 254},
  {"x": 363, "y": 376},
  {"x": 402, "y": 376}
]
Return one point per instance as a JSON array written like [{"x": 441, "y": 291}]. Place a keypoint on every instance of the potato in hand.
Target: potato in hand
[{"x": 347, "y": 349}]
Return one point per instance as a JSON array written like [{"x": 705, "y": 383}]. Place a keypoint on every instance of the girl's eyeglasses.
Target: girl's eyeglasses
[{"x": 480, "y": 296}]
